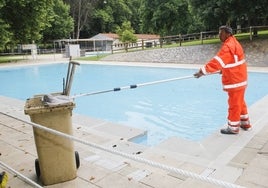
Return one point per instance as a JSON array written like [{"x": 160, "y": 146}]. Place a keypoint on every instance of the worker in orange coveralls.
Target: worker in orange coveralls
[{"x": 230, "y": 62}]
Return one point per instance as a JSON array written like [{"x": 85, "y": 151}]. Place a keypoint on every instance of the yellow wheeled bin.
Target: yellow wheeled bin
[{"x": 57, "y": 161}]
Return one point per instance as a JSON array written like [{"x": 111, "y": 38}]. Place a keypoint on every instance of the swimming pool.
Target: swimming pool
[{"x": 191, "y": 109}]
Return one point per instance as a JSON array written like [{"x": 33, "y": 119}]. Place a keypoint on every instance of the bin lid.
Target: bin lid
[{"x": 48, "y": 103}]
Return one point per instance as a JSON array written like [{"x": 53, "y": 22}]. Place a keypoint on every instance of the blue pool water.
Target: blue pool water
[{"x": 191, "y": 108}]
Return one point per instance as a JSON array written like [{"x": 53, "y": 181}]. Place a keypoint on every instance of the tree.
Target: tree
[
  {"x": 231, "y": 12},
  {"x": 81, "y": 12},
  {"x": 5, "y": 35},
  {"x": 252, "y": 12},
  {"x": 61, "y": 24},
  {"x": 165, "y": 17},
  {"x": 135, "y": 15},
  {"x": 213, "y": 13},
  {"x": 126, "y": 34},
  {"x": 27, "y": 19},
  {"x": 110, "y": 14},
  {"x": 102, "y": 17},
  {"x": 196, "y": 23}
]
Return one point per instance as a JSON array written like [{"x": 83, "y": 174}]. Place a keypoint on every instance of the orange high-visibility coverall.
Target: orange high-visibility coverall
[{"x": 230, "y": 61}]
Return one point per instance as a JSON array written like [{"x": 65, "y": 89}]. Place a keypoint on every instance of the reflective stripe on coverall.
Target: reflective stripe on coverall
[{"x": 230, "y": 61}]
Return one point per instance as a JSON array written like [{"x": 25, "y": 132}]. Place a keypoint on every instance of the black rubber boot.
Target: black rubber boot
[
  {"x": 228, "y": 131},
  {"x": 245, "y": 127}
]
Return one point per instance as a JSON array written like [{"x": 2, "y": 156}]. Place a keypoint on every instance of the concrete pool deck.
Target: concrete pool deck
[{"x": 239, "y": 159}]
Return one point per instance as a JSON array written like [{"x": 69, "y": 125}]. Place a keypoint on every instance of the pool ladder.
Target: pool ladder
[{"x": 69, "y": 79}]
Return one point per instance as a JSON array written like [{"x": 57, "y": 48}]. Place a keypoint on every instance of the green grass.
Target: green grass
[
  {"x": 7, "y": 59},
  {"x": 198, "y": 42},
  {"x": 241, "y": 37},
  {"x": 246, "y": 36},
  {"x": 92, "y": 58}
]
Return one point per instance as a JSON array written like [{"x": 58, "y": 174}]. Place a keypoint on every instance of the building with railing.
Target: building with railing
[{"x": 107, "y": 43}]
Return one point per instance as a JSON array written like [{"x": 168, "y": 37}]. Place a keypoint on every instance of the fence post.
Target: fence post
[
  {"x": 142, "y": 44},
  {"x": 250, "y": 33},
  {"x": 112, "y": 49},
  {"x": 161, "y": 42},
  {"x": 180, "y": 38},
  {"x": 201, "y": 37},
  {"x": 126, "y": 46}
]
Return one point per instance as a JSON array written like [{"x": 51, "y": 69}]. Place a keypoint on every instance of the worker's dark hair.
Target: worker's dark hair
[{"x": 227, "y": 29}]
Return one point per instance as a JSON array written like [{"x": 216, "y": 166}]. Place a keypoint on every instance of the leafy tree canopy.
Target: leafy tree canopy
[
  {"x": 61, "y": 24},
  {"x": 27, "y": 18},
  {"x": 232, "y": 12},
  {"x": 25, "y": 21},
  {"x": 166, "y": 17},
  {"x": 126, "y": 33}
]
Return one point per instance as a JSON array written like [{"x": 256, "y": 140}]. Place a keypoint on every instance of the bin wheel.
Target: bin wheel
[
  {"x": 37, "y": 168},
  {"x": 77, "y": 160}
]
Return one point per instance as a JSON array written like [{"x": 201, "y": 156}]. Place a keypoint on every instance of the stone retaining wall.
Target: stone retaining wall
[{"x": 256, "y": 54}]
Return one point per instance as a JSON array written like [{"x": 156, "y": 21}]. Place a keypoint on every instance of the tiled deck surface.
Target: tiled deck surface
[{"x": 239, "y": 159}]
